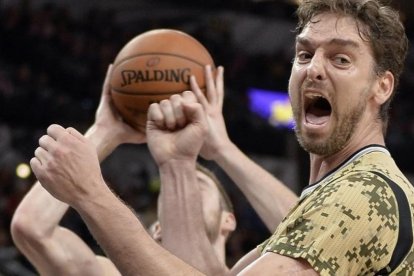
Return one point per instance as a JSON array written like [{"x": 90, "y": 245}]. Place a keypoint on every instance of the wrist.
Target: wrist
[
  {"x": 104, "y": 140},
  {"x": 174, "y": 165},
  {"x": 95, "y": 198},
  {"x": 225, "y": 152}
]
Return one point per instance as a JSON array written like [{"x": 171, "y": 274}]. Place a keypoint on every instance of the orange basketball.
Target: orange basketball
[{"x": 153, "y": 66}]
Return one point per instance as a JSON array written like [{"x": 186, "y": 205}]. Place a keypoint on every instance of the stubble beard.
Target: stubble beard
[{"x": 339, "y": 138}]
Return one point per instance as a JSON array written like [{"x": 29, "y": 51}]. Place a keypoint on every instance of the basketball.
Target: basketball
[{"x": 153, "y": 66}]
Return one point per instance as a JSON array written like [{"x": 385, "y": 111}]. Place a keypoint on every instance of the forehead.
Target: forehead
[{"x": 331, "y": 28}]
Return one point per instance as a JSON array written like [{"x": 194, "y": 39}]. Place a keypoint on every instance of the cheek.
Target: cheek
[
  {"x": 295, "y": 81},
  {"x": 211, "y": 208}
]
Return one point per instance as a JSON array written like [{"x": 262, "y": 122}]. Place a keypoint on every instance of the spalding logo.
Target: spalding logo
[{"x": 167, "y": 75}]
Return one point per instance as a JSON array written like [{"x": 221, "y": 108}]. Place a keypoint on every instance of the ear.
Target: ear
[
  {"x": 228, "y": 222},
  {"x": 385, "y": 88},
  {"x": 155, "y": 231}
]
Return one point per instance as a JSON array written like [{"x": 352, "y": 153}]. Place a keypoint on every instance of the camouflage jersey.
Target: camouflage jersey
[{"x": 357, "y": 220}]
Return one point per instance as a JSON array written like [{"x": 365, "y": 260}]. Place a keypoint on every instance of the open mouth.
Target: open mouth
[{"x": 317, "y": 109}]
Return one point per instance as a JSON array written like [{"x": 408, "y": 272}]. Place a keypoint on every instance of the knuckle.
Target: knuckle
[{"x": 164, "y": 103}]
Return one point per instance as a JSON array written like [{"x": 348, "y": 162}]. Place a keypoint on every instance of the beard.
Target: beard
[{"x": 347, "y": 123}]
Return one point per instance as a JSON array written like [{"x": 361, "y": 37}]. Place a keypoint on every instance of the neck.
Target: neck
[
  {"x": 321, "y": 165},
  {"x": 220, "y": 248}
]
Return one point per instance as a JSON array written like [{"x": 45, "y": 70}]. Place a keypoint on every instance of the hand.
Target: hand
[
  {"x": 217, "y": 137},
  {"x": 176, "y": 128},
  {"x": 110, "y": 122},
  {"x": 66, "y": 164}
]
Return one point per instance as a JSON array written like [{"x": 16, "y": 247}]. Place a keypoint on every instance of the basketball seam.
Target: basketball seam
[
  {"x": 155, "y": 93},
  {"x": 162, "y": 54}
]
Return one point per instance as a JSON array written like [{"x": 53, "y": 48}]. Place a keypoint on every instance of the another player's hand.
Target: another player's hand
[
  {"x": 110, "y": 121},
  {"x": 217, "y": 137},
  {"x": 176, "y": 128},
  {"x": 66, "y": 164}
]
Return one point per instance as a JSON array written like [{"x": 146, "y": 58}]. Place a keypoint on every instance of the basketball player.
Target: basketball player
[
  {"x": 55, "y": 250},
  {"x": 355, "y": 217}
]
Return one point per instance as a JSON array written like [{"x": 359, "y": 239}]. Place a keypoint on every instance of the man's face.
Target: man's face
[
  {"x": 212, "y": 210},
  {"x": 331, "y": 81}
]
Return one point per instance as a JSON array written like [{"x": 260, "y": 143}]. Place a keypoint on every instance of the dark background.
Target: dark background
[{"x": 53, "y": 58}]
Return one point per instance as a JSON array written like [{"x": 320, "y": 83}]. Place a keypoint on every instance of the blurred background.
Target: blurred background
[{"x": 53, "y": 58}]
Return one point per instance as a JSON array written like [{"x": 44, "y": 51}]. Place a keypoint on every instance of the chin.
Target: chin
[{"x": 314, "y": 144}]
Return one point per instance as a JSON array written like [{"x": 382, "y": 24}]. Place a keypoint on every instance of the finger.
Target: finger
[
  {"x": 106, "y": 85},
  {"x": 189, "y": 96},
  {"x": 194, "y": 84},
  {"x": 201, "y": 98},
  {"x": 195, "y": 113},
  {"x": 47, "y": 142},
  {"x": 55, "y": 131},
  {"x": 176, "y": 102},
  {"x": 155, "y": 115},
  {"x": 106, "y": 89},
  {"x": 41, "y": 155},
  {"x": 210, "y": 87},
  {"x": 169, "y": 116},
  {"x": 220, "y": 85},
  {"x": 36, "y": 165},
  {"x": 72, "y": 131}
]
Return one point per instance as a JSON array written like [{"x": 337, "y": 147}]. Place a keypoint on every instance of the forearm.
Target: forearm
[
  {"x": 270, "y": 198},
  {"x": 125, "y": 240},
  {"x": 37, "y": 216},
  {"x": 183, "y": 227}
]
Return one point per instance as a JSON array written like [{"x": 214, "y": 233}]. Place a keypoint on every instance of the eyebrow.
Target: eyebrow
[{"x": 335, "y": 41}]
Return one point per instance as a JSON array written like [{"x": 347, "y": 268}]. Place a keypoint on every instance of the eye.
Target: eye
[
  {"x": 341, "y": 60},
  {"x": 303, "y": 57}
]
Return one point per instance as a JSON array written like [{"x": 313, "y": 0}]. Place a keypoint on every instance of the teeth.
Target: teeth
[{"x": 313, "y": 96}]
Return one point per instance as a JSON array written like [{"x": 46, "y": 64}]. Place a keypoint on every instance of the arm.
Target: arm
[
  {"x": 125, "y": 240},
  {"x": 275, "y": 264},
  {"x": 271, "y": 264},
  {"x": 54, "y": 250},
  {"x": 175, "y": 151},
  {"x": 64, "y": 156},
  {"x": 269, "y": 197}
]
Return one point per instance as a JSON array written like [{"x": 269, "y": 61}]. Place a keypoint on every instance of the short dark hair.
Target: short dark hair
[{"x": 381, "y": 27}]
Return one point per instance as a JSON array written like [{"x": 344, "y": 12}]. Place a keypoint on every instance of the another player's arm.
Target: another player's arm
[
  {"x": 175, "y": 135},
  {"x": 125, "y": 239},
  {"x": 268, "y": 196},
  {"x": 183, "y": 227},
  {"x": 54, "y": 250}
]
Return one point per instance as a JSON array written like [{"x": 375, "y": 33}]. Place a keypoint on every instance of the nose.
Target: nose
[{"x": 316, "y": 68}]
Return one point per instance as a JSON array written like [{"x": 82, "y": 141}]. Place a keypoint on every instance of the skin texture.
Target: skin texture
[
  {"x": 258, "y": 185},
  {"x": 332, "y": 61},
  {"x": 55, "y": 250}
]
